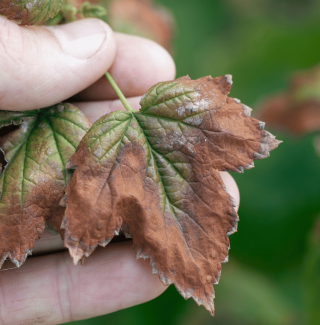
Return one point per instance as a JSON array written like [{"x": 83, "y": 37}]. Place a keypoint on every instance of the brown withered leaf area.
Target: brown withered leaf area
[
  {"x": 154, "y": 174},
  {"x": 297, "y": 110},
  {"x": 30, "y": 12},
  {"x": 36, "y": 151}
]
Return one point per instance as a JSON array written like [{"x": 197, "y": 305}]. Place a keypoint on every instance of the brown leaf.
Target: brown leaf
[
  {"x": 31, "y": 185},
  {"x": 296, "y": 110},
  {"x": 154, "y": 174},
  {"x": 142, "y": 18}
]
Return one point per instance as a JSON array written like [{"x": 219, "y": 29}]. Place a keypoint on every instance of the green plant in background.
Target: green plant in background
[
  {"x": 311, "y": 278},
  {"x": 69, "y": 13},
  {"x": 260, "y": 43}
]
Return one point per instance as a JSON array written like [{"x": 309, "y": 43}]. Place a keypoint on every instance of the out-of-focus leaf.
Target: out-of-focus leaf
[
  {"x": 142, "y": 18},
  {"x": 88, "y": 10},
  {"x": 32, "y": 182},
  {"x": 136, "y": 17},
  {"x": 312, "y": 278},
  {"x": 298, "y": 109},
  {"x": 30, "y": 12},
  {"x": 154, "y": 174},
  {"x": 54, "y": 20},
  {"x": 75, "y": 10},
  {"x": 69, "y": 14}
]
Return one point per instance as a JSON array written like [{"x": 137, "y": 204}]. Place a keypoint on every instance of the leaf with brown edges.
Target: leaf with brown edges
[
  {"x": 32, "y": 183},
  {"x": 30, "y": 12},
  {"x": 155, "y": 175}
]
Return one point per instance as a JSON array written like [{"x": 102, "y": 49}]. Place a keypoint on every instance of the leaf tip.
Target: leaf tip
[
  {"x": 70, "y": 165},
  {"x": 207, "y": 304},
  {"x": 228, "y": 78},
  {"x": 268, "y": 143},
  {"x": 246, "y": 109},
  {"x": 19, "y": 261},
  {"x": 105, "y": 242},
  {"x": 3, "y": 258},
  {"x": 76, "y": 253}
]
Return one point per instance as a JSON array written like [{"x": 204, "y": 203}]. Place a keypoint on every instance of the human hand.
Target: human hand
[{"x": 38, "y": 68}]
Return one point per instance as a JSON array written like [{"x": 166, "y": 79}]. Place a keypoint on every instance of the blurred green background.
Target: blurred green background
[{"x": 274, "y": 263}]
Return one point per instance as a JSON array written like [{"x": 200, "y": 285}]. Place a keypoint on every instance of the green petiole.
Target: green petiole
[{"x": 119, "y": 93}]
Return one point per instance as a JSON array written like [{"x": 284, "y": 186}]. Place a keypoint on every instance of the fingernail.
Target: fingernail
[{"x": 81, "y": 39}]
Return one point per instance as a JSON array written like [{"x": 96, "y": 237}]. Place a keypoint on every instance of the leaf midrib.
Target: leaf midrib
[
  {"x": 172, "y": 205},
  {"x": 38, "y": 117},
  {"x": 155, "y": 161},
  {"x": 172, "y": 165},
  {"x": 64, "y": 170}
]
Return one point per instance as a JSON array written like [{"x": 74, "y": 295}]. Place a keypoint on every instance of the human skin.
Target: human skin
[{"x": 40, "y": 67}]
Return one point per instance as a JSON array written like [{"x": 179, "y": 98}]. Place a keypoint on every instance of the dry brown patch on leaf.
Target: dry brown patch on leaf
[
  {"x": 155, "y": 175},
  {"x": 12, "y": 12}
]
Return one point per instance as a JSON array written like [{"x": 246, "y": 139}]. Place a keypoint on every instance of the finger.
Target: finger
[
  {"x": 231, "y": 186},
  {"x": 139, "y": 64},
  {"x": 94, "y": 110},
  {"x": 51, "y": 290},
  {"x": 41, "y": 66}
]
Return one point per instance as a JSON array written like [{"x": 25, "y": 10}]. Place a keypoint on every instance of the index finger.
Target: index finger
[
  {"x": 139, "y": 64},
  {"x": 51, "y": 290}
]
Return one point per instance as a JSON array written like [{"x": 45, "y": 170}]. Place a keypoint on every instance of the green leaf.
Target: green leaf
[
  {"x": 155, "y": 175},
  {"x": 69, "y": 13},
  {"x": 88, "y": 10},
  {"x": 55, "y": 20},
  {"x": 30, "y": 12},
  {"x": 32, "y": 182}
]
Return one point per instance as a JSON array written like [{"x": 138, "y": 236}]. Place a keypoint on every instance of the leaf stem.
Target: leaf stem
[{"x": 119, "y": 93}]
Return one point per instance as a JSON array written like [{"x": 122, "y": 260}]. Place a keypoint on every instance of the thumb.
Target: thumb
[{"x": 41, "y": 66}]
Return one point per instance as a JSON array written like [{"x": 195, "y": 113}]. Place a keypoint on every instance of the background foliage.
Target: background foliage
[{"x": 273, "y": 273}]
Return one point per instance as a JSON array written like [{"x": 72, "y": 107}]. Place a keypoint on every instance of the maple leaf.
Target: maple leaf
[
  {"x": 30, "y": 12},
  {"x": 297, "y": 109},
  {"x": 32, "y": 182},
  {"x": 155, "y": 175}
]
